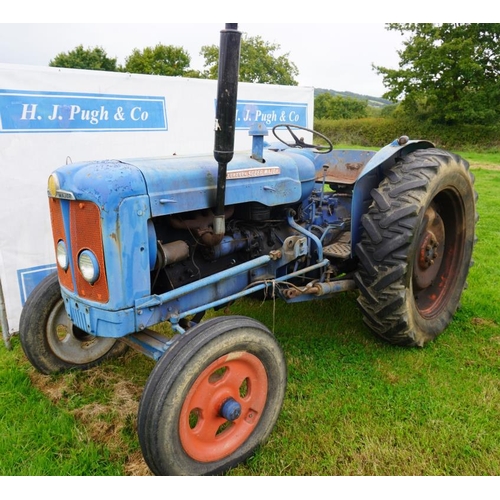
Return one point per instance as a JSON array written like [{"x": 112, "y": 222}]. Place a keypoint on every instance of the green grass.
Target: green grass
[
  {"x": 39, "y": 438},
  {"x": 354, "y": 405},
  {"x": 488, "y": 159}
]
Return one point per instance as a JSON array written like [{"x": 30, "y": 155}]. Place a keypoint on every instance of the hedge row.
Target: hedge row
[{"x": 378, "y": 132}]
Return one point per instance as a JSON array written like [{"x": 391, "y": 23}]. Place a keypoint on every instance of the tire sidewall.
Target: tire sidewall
[
  {"x": 34, "y": 316},
  {"x": 456, "y": 179}
]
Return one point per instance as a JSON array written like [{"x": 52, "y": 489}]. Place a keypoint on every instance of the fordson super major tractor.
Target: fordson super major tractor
[{"x": 146, "y": 241}]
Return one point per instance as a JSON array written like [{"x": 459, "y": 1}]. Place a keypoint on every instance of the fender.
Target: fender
[{"x": 373, "y": 174}]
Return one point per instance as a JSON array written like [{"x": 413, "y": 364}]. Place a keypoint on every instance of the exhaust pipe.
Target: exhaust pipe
[{"x": 225, "y": 115}]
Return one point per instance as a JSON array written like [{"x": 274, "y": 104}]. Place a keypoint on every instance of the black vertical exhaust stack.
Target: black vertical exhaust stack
[{"x": 225, "y": 116}]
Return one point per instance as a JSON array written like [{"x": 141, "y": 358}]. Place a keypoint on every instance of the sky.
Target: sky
[
  {"x": 327, "y": 55},
  {"x": 335, "y": 55}
]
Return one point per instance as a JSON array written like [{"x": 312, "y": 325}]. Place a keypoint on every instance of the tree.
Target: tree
[
  {"x": 449, "y": 71},
  {"x": 258, "y": 63},
  {"x": 166, "y": 60},
  {"x": 333, "y": 107},
  {"x": 80, "y": 58}
]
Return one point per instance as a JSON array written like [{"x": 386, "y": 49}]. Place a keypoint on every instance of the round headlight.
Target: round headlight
[
  {"x": 62, "y": 255},
  {"x": 87, "y": 263},
  {"x": 53, "y": 185}
]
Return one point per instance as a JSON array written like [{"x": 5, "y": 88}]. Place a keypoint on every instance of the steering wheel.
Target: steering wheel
[{"x": 299, "y": 142}]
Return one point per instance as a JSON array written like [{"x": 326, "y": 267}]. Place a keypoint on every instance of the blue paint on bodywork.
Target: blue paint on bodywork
[
  {"x": 105, "y": 183},
  {"x": 183, "y": 184}
]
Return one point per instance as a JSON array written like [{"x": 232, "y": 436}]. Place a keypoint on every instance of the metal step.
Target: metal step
[
  {"x": 148, "y": 342},
  {"x": 340, "y": 249}
]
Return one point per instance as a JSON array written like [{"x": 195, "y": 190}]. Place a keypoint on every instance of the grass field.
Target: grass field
[{"x": 354, "y": 405}]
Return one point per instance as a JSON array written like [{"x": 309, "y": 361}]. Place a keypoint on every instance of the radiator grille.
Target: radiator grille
[{"x": 85, "y": 234}]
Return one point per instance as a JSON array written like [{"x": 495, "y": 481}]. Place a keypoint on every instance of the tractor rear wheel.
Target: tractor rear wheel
[
  {"x": 212, "y": 398},
  {"x": 416, "y": 247},
  {"x": 49, "y": 339}
]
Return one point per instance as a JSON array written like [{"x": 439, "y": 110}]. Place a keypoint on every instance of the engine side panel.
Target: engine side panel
[{"x": 176, "y": 185}]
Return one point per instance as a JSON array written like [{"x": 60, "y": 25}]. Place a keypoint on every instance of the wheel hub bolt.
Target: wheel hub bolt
[
  {"x": 230, "y": 409},
  {"x": 429, "y": 253}
]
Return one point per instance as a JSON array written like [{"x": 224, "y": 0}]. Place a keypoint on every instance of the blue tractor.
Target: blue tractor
[{"x": 147, "y": 241}]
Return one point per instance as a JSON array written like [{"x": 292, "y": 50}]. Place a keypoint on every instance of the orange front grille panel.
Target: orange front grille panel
[
  {"x": 85, "y": 224},
  {"x": 56, "y": 219}
]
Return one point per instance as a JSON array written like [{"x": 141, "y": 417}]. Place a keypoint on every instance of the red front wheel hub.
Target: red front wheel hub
[{"x": 237, "y": 380}]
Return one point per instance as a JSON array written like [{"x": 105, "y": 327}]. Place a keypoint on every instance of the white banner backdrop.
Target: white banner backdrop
[{"x": 51, "y": 116}]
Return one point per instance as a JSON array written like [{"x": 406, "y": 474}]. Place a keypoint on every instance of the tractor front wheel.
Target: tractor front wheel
[
  {"x": 416, "y": 246},
  {"x": 49, "y": 339},
  {"x": 212, "y": 399}
]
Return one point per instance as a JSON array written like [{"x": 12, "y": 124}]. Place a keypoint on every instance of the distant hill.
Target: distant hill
[{"x": 376, "y": 102}]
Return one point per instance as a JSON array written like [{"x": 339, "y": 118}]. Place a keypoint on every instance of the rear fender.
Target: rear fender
[{"x": 371, "y": 177}]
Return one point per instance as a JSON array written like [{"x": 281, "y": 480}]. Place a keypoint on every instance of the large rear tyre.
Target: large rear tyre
[
  {"x": 416, "y": 247},
  {"x": 49, "y": 339},
  {"x": 212, "y": 399}
]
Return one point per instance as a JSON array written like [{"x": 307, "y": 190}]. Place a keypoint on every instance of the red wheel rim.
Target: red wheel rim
[
  {"x": 440, "y": 249},
  {"x": 204, "y": 434}
]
